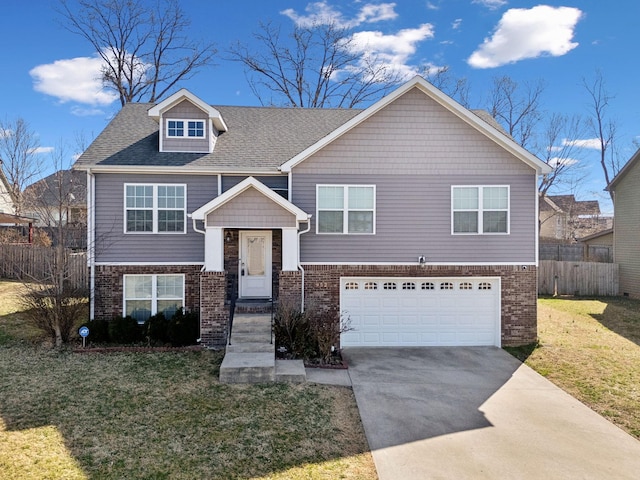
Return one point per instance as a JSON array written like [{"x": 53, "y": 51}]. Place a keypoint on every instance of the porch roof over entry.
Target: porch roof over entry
[{"x": 250, "y": 204}]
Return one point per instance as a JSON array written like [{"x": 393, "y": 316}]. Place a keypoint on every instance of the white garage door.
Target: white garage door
[{"x": 420, "y": 311}]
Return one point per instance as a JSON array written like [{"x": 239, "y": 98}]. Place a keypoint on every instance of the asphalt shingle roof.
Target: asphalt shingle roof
[{"x": 259, "y": 139}]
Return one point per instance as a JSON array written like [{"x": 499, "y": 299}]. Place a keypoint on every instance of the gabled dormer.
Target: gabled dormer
[{"x": 187, "y": 124}]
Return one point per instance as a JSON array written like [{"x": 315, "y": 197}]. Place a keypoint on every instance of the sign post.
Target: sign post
[{"x": 84, "y": 333}]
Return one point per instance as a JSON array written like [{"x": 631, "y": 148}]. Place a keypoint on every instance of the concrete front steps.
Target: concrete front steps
[{"x": 250, "y": 356}]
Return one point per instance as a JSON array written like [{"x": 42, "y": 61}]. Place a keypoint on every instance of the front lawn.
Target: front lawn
[
  {"x": 163, "y": 415},
  {"x": 591, "y": 349}
]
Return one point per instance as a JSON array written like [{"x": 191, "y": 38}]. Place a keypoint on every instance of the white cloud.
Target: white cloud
[
  {"x": 322, "y": 13},
  {"x": 39, "y": 150},
  {"x": 593, "y": 143},
  {"x": 528, "y": 33},
  {"x": 431, "y": 6},
  {"x": 394, "y": 50},
  {"x": 456, "y": 23},
  {"x": 555, "y": 162},
  {"x": 85, "y": 112},
  {"x": 491, "y": 4},
  {"x": 74, "y": 79}
]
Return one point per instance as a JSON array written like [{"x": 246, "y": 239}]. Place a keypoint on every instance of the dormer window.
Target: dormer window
[{"x": 194, "y": 128}]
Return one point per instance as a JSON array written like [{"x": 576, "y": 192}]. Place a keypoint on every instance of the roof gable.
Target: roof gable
[
  {"x": 448, "y": 103},
  {"x": 248, "y": 183},
  {"x": 624, "y": 171},
  {"x": 156, "y": 111}
]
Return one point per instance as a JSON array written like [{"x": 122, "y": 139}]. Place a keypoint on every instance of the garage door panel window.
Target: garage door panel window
[
  {"x": 480, "y": 209},
  {"x": 345, "y": 209}
]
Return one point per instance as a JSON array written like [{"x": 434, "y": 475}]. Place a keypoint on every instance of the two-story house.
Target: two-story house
[{"x": 414, "y": 217}]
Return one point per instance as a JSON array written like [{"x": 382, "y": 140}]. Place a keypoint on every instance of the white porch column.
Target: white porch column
[
  {"x": 290, "y": 249},
  {"x": 214, "y": 249}
]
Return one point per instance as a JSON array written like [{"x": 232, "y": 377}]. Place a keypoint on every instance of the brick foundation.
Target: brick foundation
[
  {"x": 519, "y": 291},
  {"x": 207, "y": 292},
  {"x": 108, "y": 295},
  {"x": 214, "y": 313}
]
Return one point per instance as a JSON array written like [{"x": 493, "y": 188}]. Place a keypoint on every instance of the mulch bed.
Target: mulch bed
[{"x": 138, "y": 349}]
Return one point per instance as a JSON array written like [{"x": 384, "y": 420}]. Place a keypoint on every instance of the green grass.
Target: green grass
[
  {"x": 591, "y": 349},
  {"x": 163, "y": 415}
]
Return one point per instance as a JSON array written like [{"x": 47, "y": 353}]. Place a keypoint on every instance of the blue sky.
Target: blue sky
[{"x": 48, "y": 74}]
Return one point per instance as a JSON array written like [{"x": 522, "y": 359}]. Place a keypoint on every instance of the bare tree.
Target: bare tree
[
  {"x": 146, "y": 51},
  {"x": 602, "y": 126},
  {"x": 516, "y": 107},
  {"x": 21, "y": 162},
  {"x": 55, "y": 302},
  {"x": 559, "y": 149},
  {"x": 456, "y": 88},
  {"x": 313, "y": 66}
]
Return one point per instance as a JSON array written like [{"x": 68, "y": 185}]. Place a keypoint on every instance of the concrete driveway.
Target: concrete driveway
[{"x": 476, "y": 413}]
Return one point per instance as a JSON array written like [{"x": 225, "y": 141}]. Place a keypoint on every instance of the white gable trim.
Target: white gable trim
[
  {"x": 447, "y": 102},
  {"x": 202, "y": 212},
  {"x": 184, "y": 94}
]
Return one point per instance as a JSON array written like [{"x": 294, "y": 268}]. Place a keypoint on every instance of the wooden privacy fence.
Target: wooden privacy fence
[
  {"x": 577, "y": 278},
  {"x": 576, "y": 252},
  {"x": 25, "y": 262}
]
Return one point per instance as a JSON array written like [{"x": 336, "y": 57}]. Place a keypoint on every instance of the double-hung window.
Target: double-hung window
[
  {"x": 155, "y": 208},
  {"x": 480, "y": 209},
  {"x": 146, "y": 295},
  {"x": 346, "y": 209},
  {"x": 185, "y": 128}
]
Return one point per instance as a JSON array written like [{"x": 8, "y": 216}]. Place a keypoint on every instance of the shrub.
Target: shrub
[
  {"x": 292, "y": 332},
  {"x": 124, "y": 330},
  {"x": 98, "y": 331},
  {"x": 326, "y": 332},
  {"x": 55, "y": 311},
  {"x": 183, "y": 328},
  {"x": 156, "y": 328}
]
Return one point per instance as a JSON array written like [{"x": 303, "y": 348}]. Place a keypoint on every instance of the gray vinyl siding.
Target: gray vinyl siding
[
  {"x": 113, "y": 245},
  {"x": 413, "y": 135},
  {"x": 413, "y": 217},
  {"x": 414, "y": 150},
  {"x": 627, "y": 231},
  {"x": 185, "y": 110},
  {"x": 251, "y": 209},
  {"x": 278, "y": 183}
]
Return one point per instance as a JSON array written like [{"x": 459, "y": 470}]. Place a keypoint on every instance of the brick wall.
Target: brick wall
[
  {"x": 214, "y": 312},
  {"x": 519, "y": 291},
  {"x": 108, "y": 297}
]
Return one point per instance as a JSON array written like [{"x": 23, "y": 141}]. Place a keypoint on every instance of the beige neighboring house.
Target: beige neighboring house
[
  {"x": 565, "y": 219},
  {"x": 625, "y": 189},
  {"x": 7, "y": 204}
]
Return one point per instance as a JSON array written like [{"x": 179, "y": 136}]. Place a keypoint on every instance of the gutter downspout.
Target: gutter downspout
[
  {"x": 195, "y": 229},
  {"x": 91, "y": 183},
  {"x": 300, "y": 265}
]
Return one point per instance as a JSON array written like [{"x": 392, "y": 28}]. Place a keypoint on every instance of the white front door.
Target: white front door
[{"x": 255, "y": 264}]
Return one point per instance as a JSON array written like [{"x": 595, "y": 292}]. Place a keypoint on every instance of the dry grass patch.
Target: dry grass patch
[
  {"x": 591, "y": 349},
  {"x": 164, "y": 415}
]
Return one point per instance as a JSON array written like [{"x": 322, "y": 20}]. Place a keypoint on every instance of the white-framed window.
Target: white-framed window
[
  {"x": 146, "y": 295},
  {"x": 155, "y": 208},
  {"x": 480, "y": 210},
  {"x": 185, "y": 128},
  {"x": 346, "y": 209}
]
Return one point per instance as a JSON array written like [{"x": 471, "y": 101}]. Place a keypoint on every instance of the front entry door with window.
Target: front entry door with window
[{"x": 255, "y": 264}]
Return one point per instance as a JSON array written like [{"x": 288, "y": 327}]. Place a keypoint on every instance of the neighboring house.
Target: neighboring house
[
  {"x": 415, "y": 218},
  {"x": 598, "y": 246},
  {"x": 625, "y": 188},
  {"x": 565, "y": 219},
  {"x": 60, "y": 197},
  {"x": 7, "y": 204}
]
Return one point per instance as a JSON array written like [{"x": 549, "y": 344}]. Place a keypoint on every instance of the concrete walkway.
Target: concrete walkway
[{"x": 478, "y": 413}]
